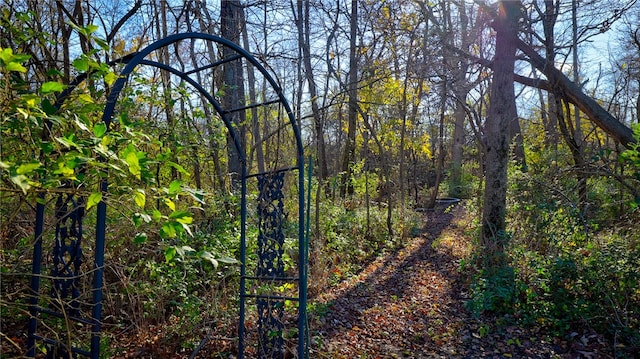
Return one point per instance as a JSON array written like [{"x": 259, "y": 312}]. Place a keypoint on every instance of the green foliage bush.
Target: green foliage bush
[
  {"x": 492, "y": 292},
  {"x": 571, "y": 271},
  {"x": 351, "y": 237},
  {"x": 161, "y": 260},
  {"x": 596, "y": 286}
]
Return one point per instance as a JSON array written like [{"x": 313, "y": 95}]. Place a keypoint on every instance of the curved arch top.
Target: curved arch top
[
  {"x": 139, "y": 58},
  {"x": 269, "y": 183}
]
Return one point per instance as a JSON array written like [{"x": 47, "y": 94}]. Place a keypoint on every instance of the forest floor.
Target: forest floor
[
  {"x": 407, "y": 303},
  {"x": 411, "y": 304}
]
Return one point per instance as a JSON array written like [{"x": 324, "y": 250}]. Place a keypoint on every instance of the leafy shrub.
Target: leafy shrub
[
  {"x": 571, "y": 270},
  {"x": 351, "y": 237},
  {"x": 596, "y": 286},
  {"x": 492, "y": 292}
]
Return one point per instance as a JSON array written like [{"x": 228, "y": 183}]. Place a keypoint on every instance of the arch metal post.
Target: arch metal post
[{"x": 131, "y": 62}]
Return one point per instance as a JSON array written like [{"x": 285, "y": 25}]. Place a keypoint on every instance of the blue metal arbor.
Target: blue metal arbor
[{"x": 261, "y": 302}]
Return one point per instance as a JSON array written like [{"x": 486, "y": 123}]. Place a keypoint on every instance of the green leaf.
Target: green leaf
[
  {"x": 179, "y": 168},
  {"x": 65, "y": 171},
  {"x": 170, "y": 253},
  {"x": 156, "y": 215},
  {"x": 81, "y": 64},
  {"x": 6, "y": 55},
  {"x": 139, "y": 197},
  {"x": 94, "y": 198},
  {"x": 140, "y": 238},
  {"x": 138, "y": 218},
  {"x": 85, "y": 98},
  {"x": 209, "y": 257},
  {"x": 107, "y": 140},
  {"x": 52, "y": 86},
  {"x": 185, "y": 220},
  {"x": 168, "y": 230},
  {"x": 175, "y": 187},
  {"x": 170, "y": 204},
  {"x": 54, "y": 73},
  {"x": 110, "y": 78},
  {"x": 68, "y": 141},
  {"x": 228, "y": 260},
  {"x": 14, "y": 66},
  {"x": 197, "y": 195},
  {"x": 99, "y": 129},
  {"x": 180, "y": 214},
  {"x": 27, "y": 168},
  {"x": 103, "y": 44},
  {"x": 81, "y": 124},
  {"x": 90, "y": 29},
  {"x": 74, "y": 161},
  {"x": 22, "y": 181},
  {"x": 131, "y": 158},
  {"x": 46, "y": 147},
  {"x": 48, "y": 107}
]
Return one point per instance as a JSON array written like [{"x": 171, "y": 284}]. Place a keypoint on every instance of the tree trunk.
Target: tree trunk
[
  {"x": 255, "y": 123},
  {"x": 206, "y": 25},
  {"x": 502, "y": 111},
  {"x": 233, "y": 89},
  {"x": 457, "y": 147},
  {"x": 578, "y": 151},
  {"x": 350, "y": 149},
  {"x": 548, "y": 23},
  {"x": 515, "y": 134},
  {"x": 440, "y": 159},
  {"x": 459, "y": 113},
  {"x": 590, "y": 107},
  {"x": 167, "y": 87},
  {"x": 302, "y": 22}
]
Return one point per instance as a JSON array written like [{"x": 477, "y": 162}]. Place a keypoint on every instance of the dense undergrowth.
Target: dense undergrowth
[
  {"x": 563, "y": 276},
  {"x": 570, "y": 270}
]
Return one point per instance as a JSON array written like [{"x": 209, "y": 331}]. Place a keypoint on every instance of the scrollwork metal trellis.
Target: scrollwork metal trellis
[
  {"x": 67, "y": 253},
  {"x": 271, "y": 216}
]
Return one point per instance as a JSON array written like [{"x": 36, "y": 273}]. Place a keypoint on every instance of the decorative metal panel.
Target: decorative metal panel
[{"x": 270, "y": 265}]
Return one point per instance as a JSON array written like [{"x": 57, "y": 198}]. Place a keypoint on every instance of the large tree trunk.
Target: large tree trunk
[
  {"x": 501, "y": 113},
  {"x": 548, "y": 23},
  {"x": 578, "y": 150},
  {"x": 457, "y": 146},
  {"x": 350, "y": 148},
  {"x": 167, "y": 87},
  {"x": 460, "y": 90},
  {"x": 233, "y": 85},
  {"x": 440, "y": 149}
]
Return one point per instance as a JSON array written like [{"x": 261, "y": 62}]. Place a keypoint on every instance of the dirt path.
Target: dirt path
[{"x": 410, "y": 304}]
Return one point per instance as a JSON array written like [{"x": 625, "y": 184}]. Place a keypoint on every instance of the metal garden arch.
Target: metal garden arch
[{"x": 256, "y": 289}]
